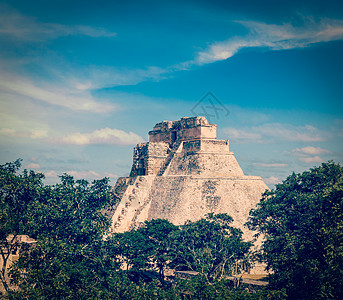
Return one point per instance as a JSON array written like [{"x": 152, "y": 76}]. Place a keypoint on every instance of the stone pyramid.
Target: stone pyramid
[{"x": 183, "y": 173}]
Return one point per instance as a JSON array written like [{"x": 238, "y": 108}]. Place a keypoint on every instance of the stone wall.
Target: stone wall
[
  {"x": 185, "y": 129},
  {"x": 209, "y": 146},
  {"x": 205, "y": 164},
  {"x": 148, "y": 158},
  {"x": 157, "y": 154},
  {"x": 182, "y": 198}
]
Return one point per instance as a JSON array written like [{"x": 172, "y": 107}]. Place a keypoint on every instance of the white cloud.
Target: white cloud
[
  {"x": 310, "y": 154},
  {"x": 274, "y": 37},
  {"x": 7, "y": 131},
  {"x": 110, "y": 76},
  {"x": 79, "y": 100},
  {"x": 102, "y": 136},
  {"x": 16, "y": 25},
  {"x": 20, "y": 120},
  {"x": 83, "y": 174},
  {"x": 38, "y": 134},
  {"x": 271, "y": 180},
  {"x": 310, "y": 150},
  {"x": 276, "y": 132},
  {"x": 32, "y": 166},
  {"x": 222, "y": 51},
  {"x": 51, "y": 174},
  {"x": 110, "y": 175},
  {"x": 89, "y": 175},
  {"x": 241, "y": 134},
  {"x": 270, "y": 165},
  {"x": 34, "y": 134},
  {"x": 291, "y": 133},
  {"x": 315, "y": 159}
]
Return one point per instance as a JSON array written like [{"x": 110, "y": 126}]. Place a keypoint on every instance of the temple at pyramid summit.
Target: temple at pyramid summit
[{"x": 184, "y": 173}]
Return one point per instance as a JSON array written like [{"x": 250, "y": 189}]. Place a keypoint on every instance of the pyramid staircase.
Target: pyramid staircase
[
  {"x": 134, "y": 200},
  {"x": 176, "y": 149}
]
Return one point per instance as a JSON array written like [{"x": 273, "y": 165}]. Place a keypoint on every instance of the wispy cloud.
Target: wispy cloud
[
  {"x": 32, "y": 166},
  {"x": 103, "y": 77},
  {"x": 89, "y": 175},
  {"x": 21, "y": 120},
  {"x": 102, "y": 136},
  {"x": 79, "y": 100},
  {"x": 51, "y": 174},
  {"x": 270, "y": 165},
  {"x": 310, "y": 160},
  {"x": 242, "y": 135},
  {"x": 15, "y": 25},
  {"x": 83, "y": 174},
  {"x": 310, "y": 154},
  {"x": 34, "y": 134},
  {"x": 274, "y": 37},
  {"x": 310, "y": 150},
  {"x": 276, "y": 132},
  {"x": 272, "y": 180},
  {"x": 261, "y": 35},
  {"x": 110, "y": 175}
]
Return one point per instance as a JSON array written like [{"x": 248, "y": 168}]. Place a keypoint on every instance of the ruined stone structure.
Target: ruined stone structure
[
  {"x": 183, "y": 173},
  {"x": 10, "y": 252}
]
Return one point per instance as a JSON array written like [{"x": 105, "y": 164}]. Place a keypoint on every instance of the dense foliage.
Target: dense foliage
[
  {"x": 148, "y": 248},
  {"x": 69, "y": 259},
  {"x": 18, "y": 193},
  {"x": 209, "y": 246},
  {"x": 302, "y": 221}
]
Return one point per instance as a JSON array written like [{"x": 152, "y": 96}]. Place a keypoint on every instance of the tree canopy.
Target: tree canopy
[
  {"x": 69, "y": 259},
  {"x": 209, "y": 246},
  {"x": 72, "y": 259},
  {"x": 18, "y": 194},
  {"x": 302, "y": 221}
]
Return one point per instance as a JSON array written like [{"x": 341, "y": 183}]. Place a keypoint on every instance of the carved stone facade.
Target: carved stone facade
[
  {"x": 149, "y": 158},
  {"x": 172, "y": 132},
  {"x": 183, "y": 173}
]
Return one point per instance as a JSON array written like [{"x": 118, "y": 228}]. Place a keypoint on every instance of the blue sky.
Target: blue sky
[{"x": 82, "y": 82}]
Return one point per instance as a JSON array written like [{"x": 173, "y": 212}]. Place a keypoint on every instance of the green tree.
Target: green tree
[
  {"x": 302, "y": 221},
  {"x": 70, "y": 259},
  {"x": 147, "y": 248},
  {"x": 158, "y": 233},
  {"x": 209, "y": 246},
  {"x": 199, "y": 288},
  {"x": 134, "y": 249},
  {"x": 17, "y": 195}
]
